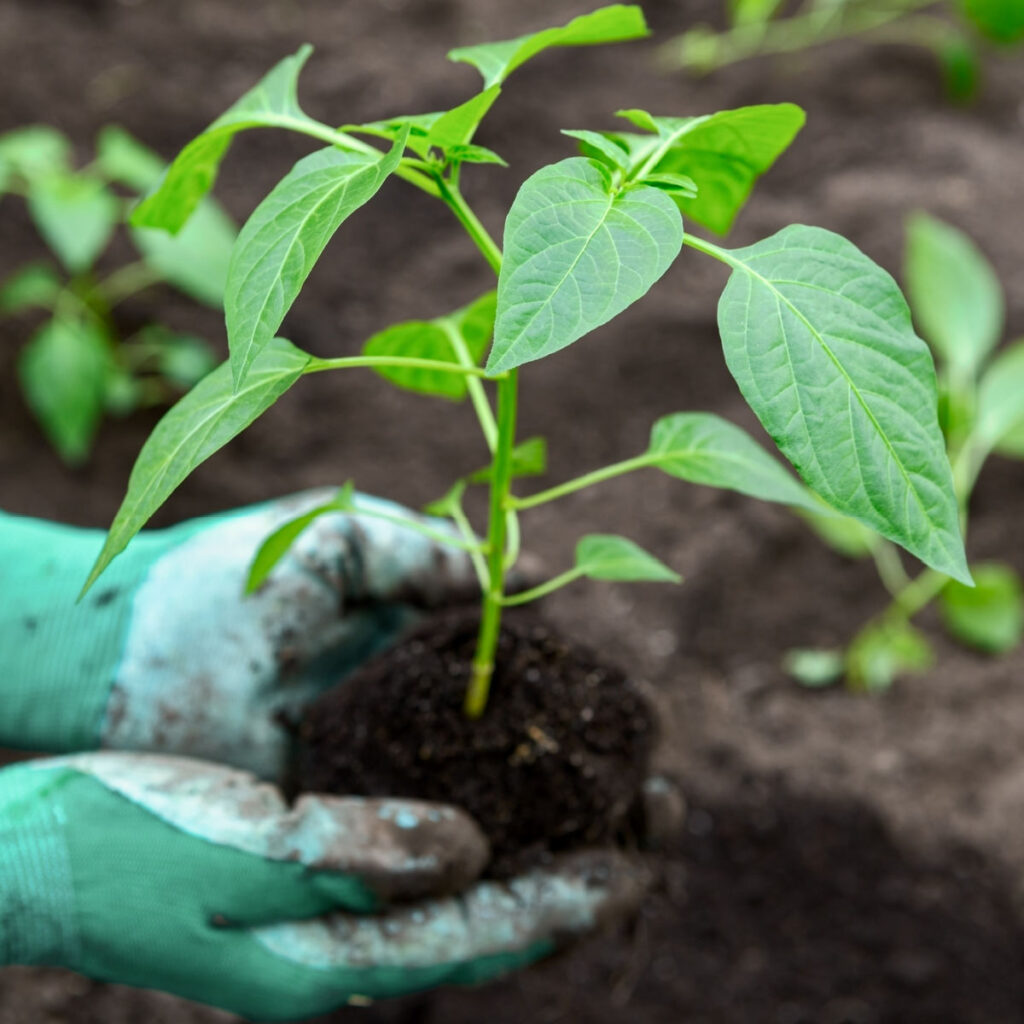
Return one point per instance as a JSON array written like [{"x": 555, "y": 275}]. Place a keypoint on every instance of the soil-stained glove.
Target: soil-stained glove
[
  {"x": 195, "y": 879},
  {"x": 166, "y": 654}
]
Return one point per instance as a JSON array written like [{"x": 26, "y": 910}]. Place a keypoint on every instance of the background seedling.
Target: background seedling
[
  {"x": 817, "y": 336},
  {"x": 958, "y": 305},
  {"x": 76, "y": 367}
]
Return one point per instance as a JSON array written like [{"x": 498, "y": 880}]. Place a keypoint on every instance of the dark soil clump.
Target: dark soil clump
[{"x": 556, "y": 761}]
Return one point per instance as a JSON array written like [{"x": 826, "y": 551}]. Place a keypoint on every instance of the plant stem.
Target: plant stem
[
  {"x": 577, "y": 484},
  {"x": 410, "y": 362},
  {"x": 890, "y": 569},
  {"x": 477, "y": 395},
  {"x": 555, "y": 583},
  {"x": 469, "y": 220},
  {"x": 917, "y": 593},
  {"x": 470, "y": 545},
  {"x": 490, "y": 620},
  {"x": 476, "y": 551}
]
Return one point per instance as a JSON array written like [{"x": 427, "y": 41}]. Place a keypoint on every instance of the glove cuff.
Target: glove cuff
[{"x": 37, "y": 906}]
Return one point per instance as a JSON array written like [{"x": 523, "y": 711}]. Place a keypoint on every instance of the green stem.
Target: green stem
[
  {"x": 476, "y": 552},
  {"x": 710, "y": 249},
  {"x": 477, "y": 395},
  {"x": 123, "y": 283},
  {"x": 409, "y": 362},
  {"x": 555, "y": 583},
  {"x": 413, "y": 524},
  {"x": 596, "y": 477},
  {"x": 917, "y": 593},
  {"x": 490, "y": 621},
  {"x": 890, "y": 569},
  {"x": 469, "y": 220}
]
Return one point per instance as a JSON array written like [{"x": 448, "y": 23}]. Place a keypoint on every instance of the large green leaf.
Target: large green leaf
[
  {"x": 209, "y": 416},
  {"x": 433, "y": 339},
  {"x": 75, "y": 215},
  {"x": 705, "y": 449},
  {"x": 577, "y": 253},
  {"x": 63, "y": 372},
  {"x": 284, "y": 238},
  {"x": 1001, "y": 402},
  {"x": 496, "y": 61},
  {"x": 604, "y": 556},
  {"x": 954, "y": 293},
  {"x": 820, "y": 342},
  {"x": 271, "y": 103},
  {"x": 989, "y": 615},
  {"x": 724, "y": 153},
  {"x": 1000, "y": 20},
  {"x": 197, "y": 258}
]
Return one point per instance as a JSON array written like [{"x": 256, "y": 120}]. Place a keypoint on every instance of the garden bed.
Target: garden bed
[{"x": 846, "y": 859}]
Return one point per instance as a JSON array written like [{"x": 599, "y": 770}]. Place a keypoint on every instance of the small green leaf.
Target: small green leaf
[
  {"x": 1000, "y": 20},
  {"x": 271, "y": 103},
  {"x": 449, "y": 503},
  {"x": 277, "y": 545},
  {"x": 529, "y": 458},
  {"x": 678, "y": 185},
  {"x": 600, "y": 147},
  {"x": 820, "y": 342},
  {"x": 576, "y": 255},
  {"x": 724, "y": 153},
  {"x": 884, "y": 651},
  {"x": 988, "y": 616},
  {"x": 202, "y": 422},
  {"x": 954, "y": 293},
  {"x": 181, "y": 359},
  {"x": 961, "y": 66},
  {"x": 496, "y": 61},
  {"x": 604, "y": 556},
  {"x": 813, "y": 667},
  {"x": 63, "y": 372},
  {"x": 34, "y": 285},
  {"x": 196, "y": 259},
  {"x": 457, "y": 126},
  {"x": 284, "y": 238},
  {"x": 75, "y": 215},
  {"x": 475, "y": 155},
  {"x": 705, "y": 449},
  {"x": 34, "y": 151},
  {"x": 121, "y": 157},
  {"x": 1001, "y": 399}
]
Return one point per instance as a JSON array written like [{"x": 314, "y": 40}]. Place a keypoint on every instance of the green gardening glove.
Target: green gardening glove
[
  {"x": 195, "y": 879},
  {"x": 166, "y": 654}
]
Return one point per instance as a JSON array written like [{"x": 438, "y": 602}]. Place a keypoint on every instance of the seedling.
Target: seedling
[
  {"x": 957, "y": 36},
  {"x": 75, "y": 366},
  {"x": 958, "y": 305},
  {"x": 817, "y": 336}
]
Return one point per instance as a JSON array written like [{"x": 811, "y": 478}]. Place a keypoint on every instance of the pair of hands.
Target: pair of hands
[{"x": 172, "y": 870}]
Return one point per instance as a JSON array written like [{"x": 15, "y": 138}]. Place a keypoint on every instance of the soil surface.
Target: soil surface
[
  {"x": 847, "y": 859},
  {"x": 556, "y": 761}
]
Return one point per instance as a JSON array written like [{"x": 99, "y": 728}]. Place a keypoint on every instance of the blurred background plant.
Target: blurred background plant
[
  {"x": 76, "y": 366},
  {"x": 957, "y": 31},
  {"x": 958, "y": 307}
]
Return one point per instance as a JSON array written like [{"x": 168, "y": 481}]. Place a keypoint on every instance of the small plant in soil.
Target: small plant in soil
[
  {"x": 958, "y": 305},
  {"x": 958, "y": 32},
  {"x": 76, "y": 366},
  {"x": 817, "y": 336}
]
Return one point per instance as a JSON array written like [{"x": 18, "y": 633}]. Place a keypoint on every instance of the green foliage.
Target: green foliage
[
  {"x": 604, "y": 556},
  {"x": 1001, "y": 403},
  {"x": 578, "y": 251},
  {"x": 1000, "y": 20},
  {"x": 885, "y": 650},
  {"x": 988, "y": 616},
  {"x": 812, "y": 667},
  {"x": 35, "y": 285},
  {"x": 75, "y": 215},
  {"x": 529, "y": 458}
]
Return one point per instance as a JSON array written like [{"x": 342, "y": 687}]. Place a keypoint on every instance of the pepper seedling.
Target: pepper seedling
[
  {"x": 75, "y": 367},
  {"x": 958, "y": 305},
  {"x": 817, "y": 336}
]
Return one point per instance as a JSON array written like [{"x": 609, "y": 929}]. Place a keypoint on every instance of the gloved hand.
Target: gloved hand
[
  {"x": 166, "y": 654},
  {"x": 173, "y": 874}
]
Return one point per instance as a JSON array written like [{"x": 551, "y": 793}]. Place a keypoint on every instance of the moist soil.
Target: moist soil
[
  {"x": 556, "y": 761},
  {"x": 846, "y": 859}
]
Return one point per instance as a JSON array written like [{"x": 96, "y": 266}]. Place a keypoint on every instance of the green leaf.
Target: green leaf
[
  {"x": 284, "y": 238},
  {"x": 999, "y": 20},
  {"x": 576, "y": 255},
  {"x": 121, "y": 157},
  {"x": 449, "y": 503},
  {"x": 705, "y": 449},
  {"x": 820, "y": 342},
  {"x": 600, "y": 147},
  {"x": 271, "y": 103},
  {"x": 961, "y": 66},
  {"x": 841, "y": 533},
  {"x": 724, "y": 153},
  {"x": 457, "y": 126},
  {"x": 75, "y": 215},
  {"x": 604, "y": 556},
  {"x": 196, "y": 259},
  {"x": 496, "y": 61},
  {"x": 988, "y": 616},
  {"x": 34, "y": 285},
  {"x": 34, "y": 151},
  {"x": 276, "y": 546},
  {"x": 954, "y": 293},
  {"x": 678, "y": 185},
  {"x": 63, "y": 372},
  {"x": 813, "y": 667},
  {"x": 529, "y": 458},
  {"x": 202, "y": 422},
  {"x": 884, "y": 651},
  {"x": 1001, "y": 402},
  {"x": 181, "y": 359},
  {"x": 475, "y": 155}
]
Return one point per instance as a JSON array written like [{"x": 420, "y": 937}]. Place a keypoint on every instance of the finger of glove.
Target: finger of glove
[{"x": 396, "y": 849}]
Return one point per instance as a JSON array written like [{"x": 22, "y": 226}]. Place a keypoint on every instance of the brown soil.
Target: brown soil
[
  {"x": 556, "y": 761},
  {"x": 848, "y": 859}
]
